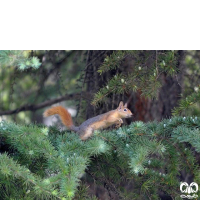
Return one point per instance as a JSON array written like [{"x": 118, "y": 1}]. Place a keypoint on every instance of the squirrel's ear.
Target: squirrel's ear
[
  {"x": 120, "y": 105},
  {"x": 125, "y": 106}
]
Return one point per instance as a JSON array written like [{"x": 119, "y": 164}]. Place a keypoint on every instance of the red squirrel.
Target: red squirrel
[{"x": 87, "y": 128}]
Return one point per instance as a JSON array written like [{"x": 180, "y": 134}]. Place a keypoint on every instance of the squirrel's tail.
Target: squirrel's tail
[{"x": 64, "y": 116}]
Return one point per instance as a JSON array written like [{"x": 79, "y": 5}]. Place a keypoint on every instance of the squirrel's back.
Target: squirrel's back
[{"x": 97, "y": 119}]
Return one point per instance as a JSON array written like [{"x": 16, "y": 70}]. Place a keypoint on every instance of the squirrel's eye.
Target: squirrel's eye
[{"x": 125, "y": 109}]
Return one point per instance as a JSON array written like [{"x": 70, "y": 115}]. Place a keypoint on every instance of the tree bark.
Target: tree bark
[{"x": 168, "y": 97}]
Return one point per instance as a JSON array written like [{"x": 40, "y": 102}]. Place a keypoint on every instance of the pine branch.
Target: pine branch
[
  {"x": 114, "y": 60},
  {"x": 10, "y": 168},
  {"x": 19, "y": 58},
  {"x": 187, "y": 102}
]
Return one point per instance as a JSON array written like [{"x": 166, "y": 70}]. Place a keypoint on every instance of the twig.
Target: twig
[{"x": 33, "y": 107}]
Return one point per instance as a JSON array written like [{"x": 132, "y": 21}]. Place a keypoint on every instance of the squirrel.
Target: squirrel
[{"x": 87, "y": 128}]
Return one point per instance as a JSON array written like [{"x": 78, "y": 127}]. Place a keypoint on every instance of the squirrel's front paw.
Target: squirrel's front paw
[
  {"x": 117, "y": 125},
  {"x": 120, "y": 121}
]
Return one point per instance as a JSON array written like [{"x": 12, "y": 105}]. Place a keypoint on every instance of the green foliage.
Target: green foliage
[
  {"x": 20, "y": 59},
  {"x": 144, "y": 74},
  {"x": 114, "y": 60},
  {"x": 44, "y": 163},
  {"x": 187, "y": 102}
]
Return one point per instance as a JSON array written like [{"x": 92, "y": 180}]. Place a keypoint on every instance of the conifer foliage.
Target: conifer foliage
[
  {"x": 21, "y": 59},
  {"x": 44, "y": 163}
]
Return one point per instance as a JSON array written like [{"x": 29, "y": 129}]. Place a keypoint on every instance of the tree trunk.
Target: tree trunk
[{"x": 169, "y": 94}]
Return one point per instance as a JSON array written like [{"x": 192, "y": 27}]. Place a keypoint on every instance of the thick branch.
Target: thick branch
[{"x": 33, "y": 107}]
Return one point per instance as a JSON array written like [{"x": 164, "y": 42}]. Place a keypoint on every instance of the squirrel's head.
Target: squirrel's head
[{"x": 123, "y": 111}]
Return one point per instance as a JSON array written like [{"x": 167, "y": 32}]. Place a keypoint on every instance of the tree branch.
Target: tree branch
[{"x": 33, "y": 107}]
